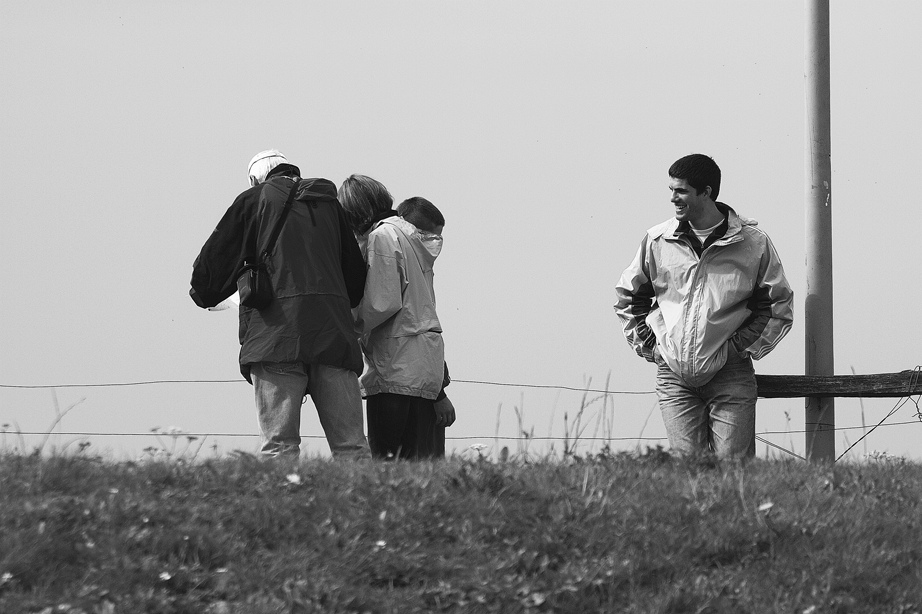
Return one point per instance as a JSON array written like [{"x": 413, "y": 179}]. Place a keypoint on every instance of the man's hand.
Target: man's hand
[{"x": 444, "y": 412}]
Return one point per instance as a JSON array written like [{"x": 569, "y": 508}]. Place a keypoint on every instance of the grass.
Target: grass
[{"x": 609, "y": 533}]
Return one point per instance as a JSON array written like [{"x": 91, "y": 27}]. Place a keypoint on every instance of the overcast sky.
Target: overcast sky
[{"x": 542, "y": 130}]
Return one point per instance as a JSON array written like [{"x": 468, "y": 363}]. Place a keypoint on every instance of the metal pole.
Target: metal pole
[{"x": 820, "y": 412}]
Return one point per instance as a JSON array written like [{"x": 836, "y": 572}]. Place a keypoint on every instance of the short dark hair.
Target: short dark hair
[
  {"x": 363, "y": 198},
  {"x": 700, "y": 171},
  {"x": 421, "y": 213}
]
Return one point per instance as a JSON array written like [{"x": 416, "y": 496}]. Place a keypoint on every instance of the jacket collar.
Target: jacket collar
[
  {"x": 673, "y": 229},
  {"x": 375, "y": 221},
  {"x": 316, "y": 188},
  {"x": 284, "y": 169},
  {"x": 427, "y": 245}
]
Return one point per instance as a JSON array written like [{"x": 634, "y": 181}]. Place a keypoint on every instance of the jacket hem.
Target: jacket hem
[{"x": 404, "y": 390}]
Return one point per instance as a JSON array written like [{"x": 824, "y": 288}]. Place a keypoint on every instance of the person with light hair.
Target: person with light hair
[
  {"x": 405, "y": 375},
  {"x": 302, "y": 342}
]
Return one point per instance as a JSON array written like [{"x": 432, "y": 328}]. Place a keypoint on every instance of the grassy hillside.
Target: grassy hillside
[{"x": 616, "y": 533}]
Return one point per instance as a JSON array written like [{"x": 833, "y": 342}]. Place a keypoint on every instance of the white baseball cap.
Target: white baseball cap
[{"x": 262, "y": 163}]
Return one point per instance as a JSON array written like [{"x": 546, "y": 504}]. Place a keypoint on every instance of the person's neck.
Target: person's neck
[
  {"x": 284, "y": 170},
  {"x": 381, "y": 215},
  {"x": 710, "y": 217}
]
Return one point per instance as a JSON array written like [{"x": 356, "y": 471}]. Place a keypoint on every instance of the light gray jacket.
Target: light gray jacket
[
  {"x": 401, "y": 336},
  {"x": 696, "y": 310}
]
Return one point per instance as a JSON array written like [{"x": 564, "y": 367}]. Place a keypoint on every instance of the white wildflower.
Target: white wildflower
[
  {"x": 535, "y": 599},
  {"x": 293, "y": 478}
]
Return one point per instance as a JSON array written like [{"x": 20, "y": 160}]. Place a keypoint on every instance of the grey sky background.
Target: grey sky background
[{"x": 542, "y": 130}]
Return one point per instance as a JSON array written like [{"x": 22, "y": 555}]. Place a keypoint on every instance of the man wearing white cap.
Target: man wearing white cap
[{"x": 303, "y": 340}]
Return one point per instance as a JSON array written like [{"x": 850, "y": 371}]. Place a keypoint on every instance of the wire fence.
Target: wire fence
[
  {"x": 523, "y": 437},
  {"x": 240, "y": 381}
]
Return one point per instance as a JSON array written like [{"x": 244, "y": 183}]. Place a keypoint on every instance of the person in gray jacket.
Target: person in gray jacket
[
  {"x": 704, "y": 296},
  {"x": 428, "y": 219},
  {"x": 303, "y": 341},
  {"x": 401, "y": 336}
]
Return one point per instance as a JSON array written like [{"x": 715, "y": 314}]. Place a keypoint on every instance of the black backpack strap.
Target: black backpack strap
[{"x": 280, "y": 222}]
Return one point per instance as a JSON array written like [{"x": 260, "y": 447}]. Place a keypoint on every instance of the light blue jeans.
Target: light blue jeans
[
  {"x": 718, "y": 417},
  {"x": 280, "y": 388}
]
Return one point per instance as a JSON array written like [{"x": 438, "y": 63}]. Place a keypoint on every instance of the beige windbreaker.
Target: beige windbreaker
[
  {"x": 694, "y": 311},
  {"x": 401, "y": 336}
]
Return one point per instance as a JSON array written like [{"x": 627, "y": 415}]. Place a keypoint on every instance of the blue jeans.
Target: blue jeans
[
  {"x": 718, "y": 417},
  {"x": 280, "y": 388}
]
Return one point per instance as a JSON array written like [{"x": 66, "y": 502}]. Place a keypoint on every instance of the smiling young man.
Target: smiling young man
[{"x": 704, "y": 296}]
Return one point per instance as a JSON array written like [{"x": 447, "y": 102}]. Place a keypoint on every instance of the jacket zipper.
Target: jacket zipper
[{"x": 690, "y": 340}]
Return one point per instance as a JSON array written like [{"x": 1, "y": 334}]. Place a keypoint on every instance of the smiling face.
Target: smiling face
[{"x": 690, "y": 205}]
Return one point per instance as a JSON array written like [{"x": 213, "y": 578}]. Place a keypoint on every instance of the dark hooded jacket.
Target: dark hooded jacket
[{"x": 316, "y": 268}]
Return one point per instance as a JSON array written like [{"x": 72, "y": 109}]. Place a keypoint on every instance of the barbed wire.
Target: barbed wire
[
  {"x": 783, "y": 449},
  {"x": 138, "y": 383},
  {"x": 896, "y": 406},
  {"x": 466, "y": 381},
  {"x": 451, "y": 438},
  {"x": 156, "y": 433},
  {"x": 241, "y": 381},
  {"x": 184, "y": 434}
]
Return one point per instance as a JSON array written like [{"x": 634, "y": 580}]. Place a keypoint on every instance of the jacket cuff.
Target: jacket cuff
[
  {"x": 198, "y": 299},
  {"x": 736, "y": 345}
]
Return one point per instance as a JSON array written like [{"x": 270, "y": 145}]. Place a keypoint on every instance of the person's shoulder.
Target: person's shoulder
[
  {"x": 402, "y": 225},
  {"x": 319, "y": 185},
  {"x": 248, "y": 197},
  {"x": 384, "y": 233},
  {"x": 667, "y": 228},
  {"x": 754, "y": 234},
  {"x": 734, "y": 218},
  {"x": 393, "y": 226},
  {"x": 250, "y": 192},
  {"x": 737, "y": 223},
  {"x": 750, "y": 227}
]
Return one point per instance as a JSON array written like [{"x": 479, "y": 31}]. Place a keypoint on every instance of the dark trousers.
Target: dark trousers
[{"x": 401, "y": 426}]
